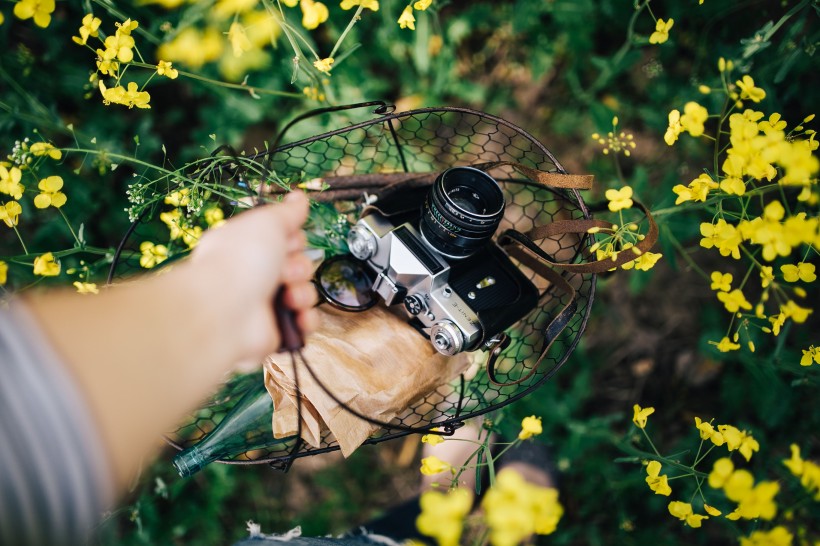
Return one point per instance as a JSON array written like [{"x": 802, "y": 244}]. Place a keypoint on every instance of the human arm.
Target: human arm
[{"x": 146, "y": 352}]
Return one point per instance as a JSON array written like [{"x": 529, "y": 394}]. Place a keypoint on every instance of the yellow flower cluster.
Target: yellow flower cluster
[
  {"x": 26, "y": 162},
  {"x": 753, "y": 501},
  {"x": 622, "y": 237},
  {"x": 759, "y": 156},
  {"x": 807, "y": 471},
  {"x": 407, "y": 19},
  {"x": 442, "y": 515},
  {"x": 730, "y": 436},
  {"x": 515, "y": 509}
]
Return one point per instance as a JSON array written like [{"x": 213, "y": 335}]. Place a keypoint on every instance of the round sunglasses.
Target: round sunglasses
[{"x": 346, "y": 283}]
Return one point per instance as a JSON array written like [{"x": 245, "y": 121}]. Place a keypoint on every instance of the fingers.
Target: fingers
[
  {"x": 297, "y": 268},
  {"x": 293, "y": 211}
]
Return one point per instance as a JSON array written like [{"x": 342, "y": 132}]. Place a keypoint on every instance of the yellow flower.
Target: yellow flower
[
  {"x": 733, "y": 185},
  {"x": 152, "y": 255},
  {"x": 86, "y": 287},
  {"x": 193, "y": 47},
  {"x": 516, "y": 509},
  {"x": 442, "y": 515},
  {"x": 657, "y": 483},
  {"x": 683, "y": 511},
  {"x": 130, "y": 97},
  {"x": 697, "y": 190},
  {"x": 619, "y": 199},
  {"x": 807, "y": 471},
  {"x": 749, "y": 91},
  {"x": 46, "y": 266},
  {"x": 40, "y": 10},
  {"x": 178, "y": 198},
  {"x": 734, "y": 300},
  {"x": 164, "y": 68},
  {"x": 119, "y": 46},
  {"x": 530, "y": 426},
  {"x": 313, "y": 13},
  {"x": 4, "y": 269},
  {"x": 756, "y": 502},
  {"x": 740, "y": 440},
  {"x": 45, "y": 148},
  {"x": 90, "y": 28},
  {"x": 721, "y": 282},
  {"x": 432, "y": 465},
  {"x": 422, "y": 5},
  {"x": 639, "y": 415},
  {"x": 239, "y": 40},
  {"x": 432, "y": 439},
  {"x": 10, "y": 181},
  {"x": 214, "y": 217},
  {"x": 10, "y": 213},
  {"x": 803, "y": 271},
  {"x": 708, "y": 432},
  {"x": 674, "y": 128},
  {"x": 324, "y": 65},
  {"x": 366, "y": 4},
  {"x": 693, "y": 118},
  {"x": 723, "y": 236},
  {"x": 406, "y": 19},
  {"x": 711, "y": 510},
  {"x": 722, "y": 469},
  {"x": 810, "y": 355},
  {"x": 50, "y": 194},
  {"x": 725, "y": 345},
  {"x": 778, "y": 536},
  {"x": 661, "y": 33}
]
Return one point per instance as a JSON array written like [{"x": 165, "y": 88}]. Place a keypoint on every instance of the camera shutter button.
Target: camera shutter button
[{"x": 414, "y": 304}]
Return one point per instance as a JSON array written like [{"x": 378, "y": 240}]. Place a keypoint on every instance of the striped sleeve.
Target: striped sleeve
[{"x": 55, "y": 477}]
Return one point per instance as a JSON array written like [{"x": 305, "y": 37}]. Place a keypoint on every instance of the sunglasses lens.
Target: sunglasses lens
[{"x": 347, "y": 282}]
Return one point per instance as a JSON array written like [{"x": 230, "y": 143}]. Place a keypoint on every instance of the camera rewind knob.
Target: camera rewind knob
[{"x": 446, "y": 338}]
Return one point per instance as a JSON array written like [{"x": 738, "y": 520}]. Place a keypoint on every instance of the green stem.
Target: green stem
[
  {"x": 237, "y": 86},
  {"x": 676, "y": 209},
  {"x": 20, "y": 238},
  {"x": 71, "y": 229},
  {"x": 356, "y": 17},
  {"x": 606, "y": 73}
]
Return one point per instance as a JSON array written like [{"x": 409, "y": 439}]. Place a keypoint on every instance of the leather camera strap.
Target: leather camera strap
[
  {"x": 582, "y": 226},
  {"x": 520, "y": 247}
]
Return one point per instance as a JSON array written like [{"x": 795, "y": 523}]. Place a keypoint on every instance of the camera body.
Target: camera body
[{"x": 459, "y": 289}]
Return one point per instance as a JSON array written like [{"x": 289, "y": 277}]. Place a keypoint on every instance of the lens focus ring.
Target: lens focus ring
[{"x": 462, "y": 211}]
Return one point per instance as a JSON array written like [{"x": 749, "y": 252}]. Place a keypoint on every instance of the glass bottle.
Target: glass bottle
[{"x": 234, "y": 434}]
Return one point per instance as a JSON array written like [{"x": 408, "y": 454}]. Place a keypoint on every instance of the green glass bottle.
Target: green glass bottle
[{"x": 234, "y": 434}]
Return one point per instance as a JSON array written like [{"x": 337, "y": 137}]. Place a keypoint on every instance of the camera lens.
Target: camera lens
[{"x": 461, "y": 212}]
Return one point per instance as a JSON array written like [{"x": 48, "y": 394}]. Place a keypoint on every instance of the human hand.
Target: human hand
[{"x": 243, "y": 264}]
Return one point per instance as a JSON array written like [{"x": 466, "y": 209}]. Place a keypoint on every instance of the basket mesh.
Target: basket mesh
[{"x": 419, "y": 141}]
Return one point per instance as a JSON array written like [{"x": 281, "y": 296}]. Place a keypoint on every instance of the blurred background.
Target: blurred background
[{"x": 561, "y": 70}]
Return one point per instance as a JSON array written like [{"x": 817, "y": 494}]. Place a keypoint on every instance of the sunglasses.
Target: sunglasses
[{"x": 345, "y": 283}]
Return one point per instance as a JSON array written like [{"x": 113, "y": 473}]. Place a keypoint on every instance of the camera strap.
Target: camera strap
[{"x": 522, "y": 248}]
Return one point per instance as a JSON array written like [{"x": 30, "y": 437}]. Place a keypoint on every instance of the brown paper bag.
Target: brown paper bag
[{"x": 372, "y": 361}]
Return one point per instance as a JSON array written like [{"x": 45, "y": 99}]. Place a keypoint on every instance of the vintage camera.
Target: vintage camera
[{"x": 459, "y": 287}]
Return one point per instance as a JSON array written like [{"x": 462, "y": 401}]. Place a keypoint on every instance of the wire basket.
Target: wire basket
[{"x": 422, "y": 141}]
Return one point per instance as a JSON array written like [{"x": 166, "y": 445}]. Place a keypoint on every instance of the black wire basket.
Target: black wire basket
[{"x": 425, "y": 140}]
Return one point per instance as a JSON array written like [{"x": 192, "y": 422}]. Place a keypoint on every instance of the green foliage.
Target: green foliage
[{"x": 560, "y": 69}]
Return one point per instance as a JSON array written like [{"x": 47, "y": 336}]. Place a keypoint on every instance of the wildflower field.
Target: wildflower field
[{"x": 686, "y": 413}]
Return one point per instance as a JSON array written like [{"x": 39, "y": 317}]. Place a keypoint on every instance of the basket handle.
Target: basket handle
[{"x": 382, "y": 108}]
